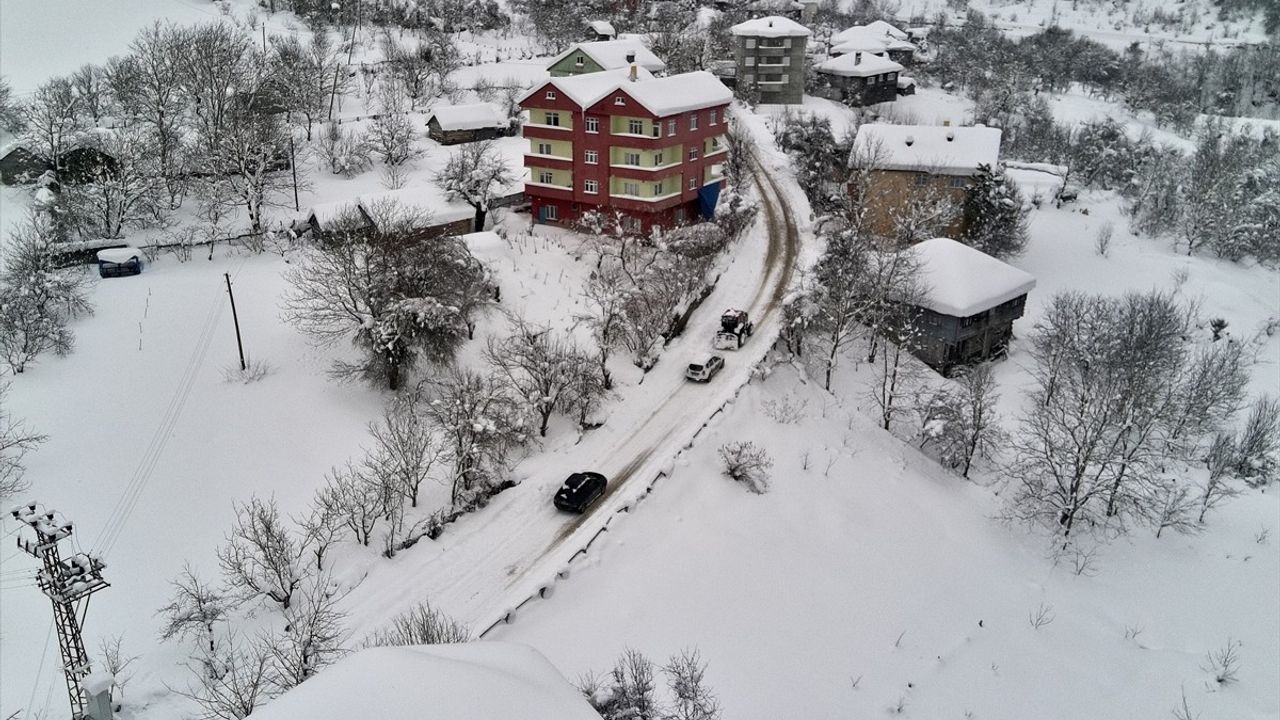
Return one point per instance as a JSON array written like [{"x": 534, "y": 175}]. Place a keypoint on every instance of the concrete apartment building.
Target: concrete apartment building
[
  {"x": 649, "y": 148},
  {"x": 914, "y": 161},
  {"x": 769, "y": 52}
]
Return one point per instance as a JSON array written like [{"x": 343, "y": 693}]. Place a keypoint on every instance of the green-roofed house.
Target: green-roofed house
[{"x": 590, "y": 57}]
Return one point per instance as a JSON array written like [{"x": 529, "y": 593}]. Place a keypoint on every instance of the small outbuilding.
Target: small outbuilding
[
  {"x": 971, "y": 302},
  {"x": 428, "y": 213},
  {"x": 600, "y": 30},
  {"x": 453, "y": 124},
  {"x": 119, "y": 262}
]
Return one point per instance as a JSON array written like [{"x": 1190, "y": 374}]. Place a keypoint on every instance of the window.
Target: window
[
  {"x": 631, "y": 188},
  {"x": 713, "y": 117},
  {"x": 750, "y": 61},
  {"x": 580, "y": 61},
  {"x": 893, "y": 76},
  {"x": 749, "y": 78},
  {"x": 591, "y": 157},
  {"x": 693, "y": 183},
  {"x": 693, "y": 121},
  {"x": 693, "y": 153},
  {"x": 551, "y": 94},
  {"x": 635, "y": 127},
  {"x": 657, "y": 189},
  {"x": 680, "y": 215},
  {"x": 921, "y": 180},
  {"x": 549, "y": 212},
  {"x": 544, "y": 148},
  {"x": 631, "y": 158},
  {"x": 553, "y": 118},
  {"x": 656, "y": 130},
  {"x": 751, "y": 43},
  {"x": 593, "y": 124},
  {"x": 590, "y": 187},
  {"x": 715, "y": 144},
  {"x": 657, "y": 159},
  {"x": 619, "y": 100},
  {"x": 546, "y": 177},
  {"x": 671, "y": 127},
  {"x": 956, "y": 182}
]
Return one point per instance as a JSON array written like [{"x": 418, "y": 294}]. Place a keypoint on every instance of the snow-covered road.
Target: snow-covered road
[{"x": 488, "y": 563}]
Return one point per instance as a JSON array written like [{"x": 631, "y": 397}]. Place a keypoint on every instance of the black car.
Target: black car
[{"x": 579, "y": 491}]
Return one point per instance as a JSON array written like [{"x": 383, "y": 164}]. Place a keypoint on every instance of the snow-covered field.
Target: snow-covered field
[{"x": 867, "y": 580}]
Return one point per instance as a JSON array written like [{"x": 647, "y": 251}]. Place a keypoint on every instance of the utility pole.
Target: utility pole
[
  {"x": 293, "y": 165},
  {"x": 235, "y": 319},
  {"x": 68, "y": 584}
]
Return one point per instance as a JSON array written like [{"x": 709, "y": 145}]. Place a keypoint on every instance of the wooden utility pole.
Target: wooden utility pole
[
  {"x": 334, "y": 94},
  {"x": 235, "y": 319},
  {"x": 293, "y": 165}
]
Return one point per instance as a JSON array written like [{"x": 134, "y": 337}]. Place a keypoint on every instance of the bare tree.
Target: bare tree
[
  {"x": 397, "y": 298},
  {"x": 391, "y": 132},
  {"x": 352, "y": 498},
  {"x": 405, "y": 446},
  {"x": 305, "y": 75},
  {"x": 628, "y": 691},
  {"x": 244, "y": 166},
  {"x": 423, "y": 625},
  {"x": 126, "y": 193},
  {"x": 116, "y": 663},
  {"x": 261, "y": 556},
  {"x": 320, "y": 528},
  {"x": 1220, "y": 459},
  {"x": 962, "y": 423},
  {"x": 481, "y": 425},
  {"x": 540, "y": 366},
  {"x": 92, "y": 91},
  {"x": 748, "y": 464},
  {"x": 194, "y": 611},
  {"x": 145, "y": 84},
  {"x": 691, "y": 698},
  {"x": 242, "y": 683},
  {"x": 10, "y": 112},
  {"x": 37, "y": 299},
  {"x": 313, "y": 637},
  {"x": 347, "y": 152},
  {"x": 476, "y": 174},
  {"x": 52, "y": 118},
  {"x": 1258, "y": 446},
  {"x": 605, "y": 300},
  {"x": 16, "y": 440}
]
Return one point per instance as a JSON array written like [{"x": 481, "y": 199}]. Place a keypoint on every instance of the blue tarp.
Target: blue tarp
[{"x": 708, "y": 196}]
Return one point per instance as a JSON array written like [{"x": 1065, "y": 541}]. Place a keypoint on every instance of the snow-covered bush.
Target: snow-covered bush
[
  {"x": 423, "y": 625},
  {"x": 37, "y": 299},
  {"x": 995, "y": 221},
  {"x": 347, "y": 152},
  {"x": 748, "y": 464}
]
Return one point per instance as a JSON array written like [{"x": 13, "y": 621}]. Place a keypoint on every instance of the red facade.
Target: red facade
[{"x": 570, "y": 204}]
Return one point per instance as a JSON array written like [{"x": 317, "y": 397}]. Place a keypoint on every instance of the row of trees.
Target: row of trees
[
  {"x": 38, "y": 299},
  {"x": 629, "y": 691}
]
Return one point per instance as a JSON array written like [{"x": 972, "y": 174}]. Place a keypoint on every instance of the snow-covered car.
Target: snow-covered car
[
  {"x": 735, "y": 328},
  {"x": 705, "y": 370},
  {"x": 119, "y": 262},
  {"x": 579, "y": 491}
]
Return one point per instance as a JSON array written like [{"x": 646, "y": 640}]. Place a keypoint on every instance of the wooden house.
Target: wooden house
[
  {"x": 970, "y": 304},
  {"x": 598, "y": 30},
  {"x": 455, "y": 124},
  {"x": 433, "y": 216},
  {"x": 593, "y": 57},
  {"x": 20, "y": 166},
  {"x": 859, "y": 79}
]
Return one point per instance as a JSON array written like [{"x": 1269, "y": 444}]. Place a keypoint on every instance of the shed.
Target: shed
[
  {"x": 453, "y": 124},
  {"x": 861, "y": 78},
  {"x": 20, "y": 166},
  {"x": 601, "y": 30},
  {"x": 435, "y": 216},
  {"x": 119, "y": 262}
]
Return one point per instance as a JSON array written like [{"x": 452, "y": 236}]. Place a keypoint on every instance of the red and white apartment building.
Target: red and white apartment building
[{"x": 649, "y": 148}]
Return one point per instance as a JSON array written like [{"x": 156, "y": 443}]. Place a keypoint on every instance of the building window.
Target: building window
[
  {"x": 749, "y": 78},
  {"x": 715, "y": 144},
  {"x": 656, "y": 130},
  {"x": 580, "y": 61},
  {"x": 635, "y": 127},
  {"x": 549, "y": 212},
  {"x": 921, "y": 180},
  {"x": 956, "y": 182},
  {"x": 693, "y": 183},
  {"x": 657, "y": 189},
  {"x": 671, "y": 127},
  {"x": 631, "y": 188},
  {"x": 751, "y": 43},
  {"x": 693, "y": 153},
  {"x": 553, "y": 118},
  {"x": 893, "y": 76},
  {"x": 591, "y": 157},
  {"x": 693, "y": 121},
  {"x": 631, "y": 158},
  {"x": 546, "y": 177},
  {"x": 657, "y": 159},
  {"x": 593, "y": 124},
  {"x": 713, "y": 117},
  {"x": 544, "y": 148},
  {"x": 590, "y": 187},
  {"x": 680, "y": 214},
  {"x": 551, "y": 94},
  {"x": 619, "y": 100},
  {"x": 750, "y": 61}
]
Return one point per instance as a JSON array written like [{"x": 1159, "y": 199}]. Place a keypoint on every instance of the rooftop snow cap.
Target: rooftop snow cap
[
  {"x": 911, "y": 140},
  {"x": 925, "y": 148},
  {"x": 770, "y": 27},
  {"x": 951, "y": 135}
]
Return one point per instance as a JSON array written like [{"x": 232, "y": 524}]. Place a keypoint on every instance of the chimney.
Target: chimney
[
  {"x": 946, "y": 123},
  {"x": 632, "y": 75},
  {"x": 911, "y": 140},
  {"x": 631, "y": 57},
  {"x": 857, "y": 58},
  {"x": 951, "y": 135}
]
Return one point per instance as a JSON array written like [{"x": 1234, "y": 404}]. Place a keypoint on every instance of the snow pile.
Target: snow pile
[
  {"x": 935, "y": 149},
  {"x": 858, "y": 64},
  {"x": 612, "y": 54},
  {"x": 119, "y": 255},
  {"x": 774, "y": 26},
  {"x": 470, "y": 681},
  {"x": 962, "y": 281},
  {"x": 469, "y": 117}
]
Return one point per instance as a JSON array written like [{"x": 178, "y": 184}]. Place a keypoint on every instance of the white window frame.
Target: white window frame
[
  {"x": 657, "y": 189},
  {"x": 693, "y": 183},
  {"x": 627, "y": 157},
  {"x": 591, "y": 187},
  {"x": 543, "y": 146},
  {"x": 693, "y": 154},
  {"x": 591, "y": 157},
  {"x": 619, "y": 100},
  {"x": 750, "y": 62},
  {"x": 628, "y": 186},
  {"x": 580, "y": 61},
  {"x": 713, "y": 117},
  {"x": 552, "y": 212},
  {"x": 657, "y": 159},
  {"x": 671, "y": 127},
  {"x": 549, "y": 116},
  {"x": 551, "y": 95},
  {"x": 751, "y": 43},
  {"x": 635, "y": 126},
  {"x": 593, "y": 124},
  {"x": 546, "y": 177},
  {"x": 693, "y": 122}
]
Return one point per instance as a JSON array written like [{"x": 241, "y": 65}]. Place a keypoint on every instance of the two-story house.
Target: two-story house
[
  {"x": 970, "y": 304},
  {"x": 906, "y": 163},
  {"x": 649, "y": 148},
  {"x": 858, "y": 79},
  {"x": 593, "y": 57},
  {"x": 769, "y": 53},
  {"x": 876, "y": 38}
]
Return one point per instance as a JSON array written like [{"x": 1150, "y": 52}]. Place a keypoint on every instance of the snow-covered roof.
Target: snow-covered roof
[
  {"x": 774, "y": 26},
  {"x": 427, "y": 200},
  {"x": 905, "y": 81},
  {"x": 325, "y": 213},
  {"x": 962, "y": 281},
  {"x": 937, "y": 149},
  {"x": 880, "y": 26},
  {"x": 468, "y": 117},
  {"x": 859, "y": 38},
  {"x": 602, "y": 27},
  {"x": 612, "y": 54},
  {"x": 469, "y": 681},
  {"x": 858, "y": 65},
  {"x": 119, "y": 255},
  {"x": 661, "y": 96}
]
